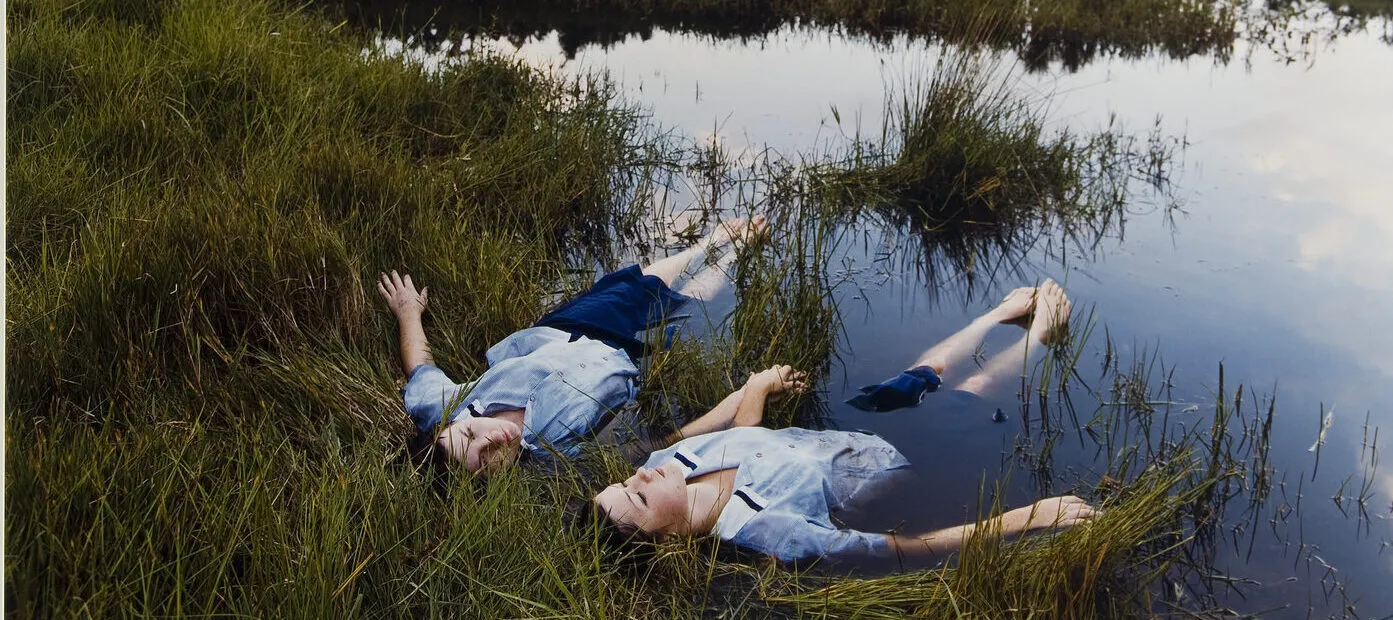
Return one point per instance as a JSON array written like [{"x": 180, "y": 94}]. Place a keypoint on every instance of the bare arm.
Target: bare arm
[
  {"x": 718, "y": 418},
  {"x": 1055, "y": 513},
  {"x": 408, "y": 306},
  {"x": 743, "y": 407}
]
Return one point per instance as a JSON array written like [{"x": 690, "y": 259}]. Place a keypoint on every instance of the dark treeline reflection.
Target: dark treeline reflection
[{"x": 1071, "y": 32}]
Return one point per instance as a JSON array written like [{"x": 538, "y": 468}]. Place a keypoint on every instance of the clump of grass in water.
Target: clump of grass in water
[{"x": 967, "y": 167}]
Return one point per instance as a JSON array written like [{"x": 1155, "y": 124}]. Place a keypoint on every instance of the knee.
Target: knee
[
  {"x": 976, "y": 384},
  {"x": 938, "y": 364}
]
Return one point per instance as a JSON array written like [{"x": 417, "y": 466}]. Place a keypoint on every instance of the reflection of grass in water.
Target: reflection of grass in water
[
  {"x": 1069, "y": 31},
  {"x": 967, "y": 166},
  {"x": 1360, "y": 7}
]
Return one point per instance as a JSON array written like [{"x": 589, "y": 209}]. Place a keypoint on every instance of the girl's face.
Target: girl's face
[
  {"x": 653, "y": 501},
  {"x": 484, "y": 444}
]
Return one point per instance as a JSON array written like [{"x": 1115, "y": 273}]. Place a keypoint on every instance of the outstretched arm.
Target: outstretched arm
[
  {"x": 408, "y": 306},
  {"x": 1055, "y": 513}
]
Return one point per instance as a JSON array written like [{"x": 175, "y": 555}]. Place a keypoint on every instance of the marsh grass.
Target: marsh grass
[
  {"x": 968, "y": 177},
  {"x": 221, "y": 178}
]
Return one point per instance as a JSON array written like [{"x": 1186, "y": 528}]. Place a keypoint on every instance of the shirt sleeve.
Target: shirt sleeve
[
  {"x": 906, "y": 390},
  {"x": 426, "y": 395},
  {"x": 792, "y": 538}
]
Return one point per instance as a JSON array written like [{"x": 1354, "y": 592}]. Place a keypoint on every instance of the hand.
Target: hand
[
  {"x": 778, "y": 379},
  {"x": 1055, "y": 513},
  {"x": 401, "y": 295}
]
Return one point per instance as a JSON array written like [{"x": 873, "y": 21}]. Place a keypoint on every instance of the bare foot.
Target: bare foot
[
  {"x": 1052, "y": 308},
  {"x": 738, "y": 230},
  {"x": 1016, "y": 307},
  {"x": 1055, "y": 513}
]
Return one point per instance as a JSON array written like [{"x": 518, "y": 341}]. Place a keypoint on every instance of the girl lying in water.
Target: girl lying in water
[
  {"x": 551, "y": 386},
  {"x": 777, "y": 492}
]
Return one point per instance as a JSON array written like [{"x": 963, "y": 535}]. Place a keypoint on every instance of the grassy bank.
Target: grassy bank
[{"x": 202, "y": 406}]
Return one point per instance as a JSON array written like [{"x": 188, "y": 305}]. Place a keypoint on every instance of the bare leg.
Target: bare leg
[
  {"x": 1052, "y": 308},
  {"x": 672, "y": 267},
  {"x": 957, "y": 348},
  {"x": 710, "y": 280}
]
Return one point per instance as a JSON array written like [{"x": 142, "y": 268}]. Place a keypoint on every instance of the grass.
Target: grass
[{"x": 202, "y": 396}]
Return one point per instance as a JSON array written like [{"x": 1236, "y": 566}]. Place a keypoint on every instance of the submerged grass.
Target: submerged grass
[{"x": 202, "y": 407}]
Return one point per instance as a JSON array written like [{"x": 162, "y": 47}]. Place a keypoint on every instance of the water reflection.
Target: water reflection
[{"x": 1056, "y": 39}]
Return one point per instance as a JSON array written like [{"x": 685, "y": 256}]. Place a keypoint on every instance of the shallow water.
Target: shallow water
[{"x": 1277, "y": 264}]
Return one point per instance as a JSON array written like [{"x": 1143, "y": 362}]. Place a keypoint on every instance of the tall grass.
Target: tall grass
[{"x": 212, "y": 178}]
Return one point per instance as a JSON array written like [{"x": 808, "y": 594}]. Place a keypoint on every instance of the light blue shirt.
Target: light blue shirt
[
  {"x": 787, "y": 484},
  {"x": 565, "y": 388}
]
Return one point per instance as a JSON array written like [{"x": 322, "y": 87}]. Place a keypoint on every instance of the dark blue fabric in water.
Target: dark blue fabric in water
[
  {"x": 903, "y": 391},
  {"x": 616, "y": 308}
]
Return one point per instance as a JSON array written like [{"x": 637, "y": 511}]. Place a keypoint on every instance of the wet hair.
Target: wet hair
[
  {"x": 630, "y": 544},
  {"x": 429, "y": 460}
]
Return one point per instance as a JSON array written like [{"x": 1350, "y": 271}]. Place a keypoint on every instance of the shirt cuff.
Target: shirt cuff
[{"x": 903, "y": 391}]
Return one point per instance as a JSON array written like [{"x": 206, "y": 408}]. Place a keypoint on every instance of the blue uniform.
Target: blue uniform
[
  {"x": 569, "y": 373},
  {"x": 788, "y": 485},
  {"x": 566, "y": 389}
]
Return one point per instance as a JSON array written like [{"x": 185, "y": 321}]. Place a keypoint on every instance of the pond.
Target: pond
[{"x": 1269, "y": 253}]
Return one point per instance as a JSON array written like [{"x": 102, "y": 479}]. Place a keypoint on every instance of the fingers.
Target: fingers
[
  {"x": 395, "y": 283},
  {"x": 786, "y": 378}
]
